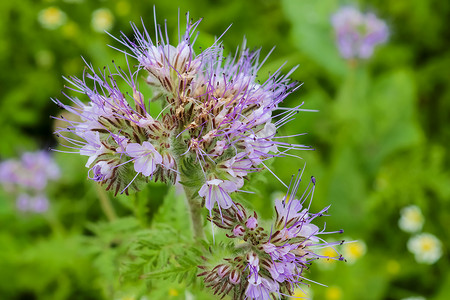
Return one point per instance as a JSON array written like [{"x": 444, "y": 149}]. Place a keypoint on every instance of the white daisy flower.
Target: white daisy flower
[
  {"x": 411, "y": 219},
  {"x": 426, "y": 248}
]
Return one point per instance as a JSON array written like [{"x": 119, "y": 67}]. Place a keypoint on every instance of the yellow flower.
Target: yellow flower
[
  {"x": 51, "y": 17},
  {"x": 393, "y": 267},
  {"x": 44, "y": 58},
  {"x": 303, "y": 292},
  {"x": 353, "y": 250},
  {"x": 173, "y": 293},
  {"x": 328, "y": 252},
  {"x": 123, "y": 8},
  {"x": 333, "y": 293},
  {"x": 70, "y": 29},
  {"x": 102, "y": 19}
]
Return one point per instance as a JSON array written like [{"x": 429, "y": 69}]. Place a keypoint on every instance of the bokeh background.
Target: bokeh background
[{"x": 381, "y": 136}]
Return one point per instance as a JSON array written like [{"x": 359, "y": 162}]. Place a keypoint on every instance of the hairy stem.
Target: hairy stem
[
  {"x": 192, "y": 178},
  {"x": 195, "y": 211},
  {"x": 105, "y": 203}
]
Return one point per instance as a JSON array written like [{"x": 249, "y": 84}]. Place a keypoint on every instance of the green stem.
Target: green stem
[
  {"x": 56, "y": 226},
  {"x": 191, "y": 178},
  {"x": 194, "y": 205},
  {"x": 105, "y": 203}
]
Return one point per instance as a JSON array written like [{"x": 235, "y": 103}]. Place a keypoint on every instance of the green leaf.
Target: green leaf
[{"x": 312, "y": 32}]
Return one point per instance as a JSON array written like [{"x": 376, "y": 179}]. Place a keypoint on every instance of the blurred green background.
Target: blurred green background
[{"x": 381, "y": 137}]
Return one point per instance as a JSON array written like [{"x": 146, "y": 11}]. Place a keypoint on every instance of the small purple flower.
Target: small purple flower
[
  {"x": 101, "y": 171},
  {"x": 217, "y": 190},
  {"x": 260, "y": 288},
  {"x": 357, "y": 34},
  {"x": 146, "y": 157},
  {"x": 238, "y": 166},
  {"x": 93, "y": 147}
]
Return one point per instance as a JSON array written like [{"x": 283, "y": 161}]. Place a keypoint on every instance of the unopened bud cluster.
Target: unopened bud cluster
[{"x": 268, "y": 263}]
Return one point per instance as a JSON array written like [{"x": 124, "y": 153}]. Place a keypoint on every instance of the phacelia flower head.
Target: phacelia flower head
[
  {"x": 218, "y": 123},
  {"x": 269, "y": 263},
  {"x": 357, "y": 34}
]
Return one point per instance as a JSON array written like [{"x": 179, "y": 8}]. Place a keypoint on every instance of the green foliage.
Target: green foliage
[
  {"x": 162, "y": 253},
  {"x": 381, "y": 136},
  {"x": 312, "y": 31}
]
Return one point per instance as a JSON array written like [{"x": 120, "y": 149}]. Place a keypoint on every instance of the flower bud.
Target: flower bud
[
  {"x": 223, "y": 270},
  {"x": 251, "y": 223},
  {"x": 235, "y": 277},
  {"x": 238, "y": 230}
]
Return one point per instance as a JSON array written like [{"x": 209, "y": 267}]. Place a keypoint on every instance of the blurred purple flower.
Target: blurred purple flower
[
  {"x": 357, "y": 34},
  {"x": 28, "y": 177},
  {"x": 27, "y": 203}
]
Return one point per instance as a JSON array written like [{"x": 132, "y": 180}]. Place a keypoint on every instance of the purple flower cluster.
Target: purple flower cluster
[
  {"x": 357, "y": 34},
  {"x": 268, "y": 263},
  {"x": 216, "y": 114},
  {"x": 28, "y": 178}
]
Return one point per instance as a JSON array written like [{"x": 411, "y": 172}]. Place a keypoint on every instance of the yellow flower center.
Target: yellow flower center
[
  {"x": 414, "y": 216},
  {"x": 393, "y": 267},
  {"x": 333, "y": 293},
  {"x": 299, "y": 293},
  {"x": 329, "y": 252},
  {"x": 173, "y": 292},
  {"x": 356, "y": 250},
  {"x": 52, "y": 15},
  {"x": 427, "y": 244}
]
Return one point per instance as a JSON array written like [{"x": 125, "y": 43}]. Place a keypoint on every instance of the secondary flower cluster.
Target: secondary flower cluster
[
  {"x": 357, "y": 34},
  {"x": 268, "y": 263},
  {"x": 426, "y": 247},
  {"x": 27, "y": 178},
  {"x": 217, "y": 121}
]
